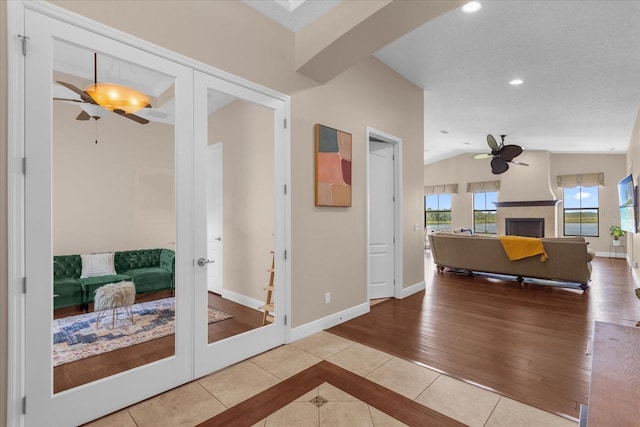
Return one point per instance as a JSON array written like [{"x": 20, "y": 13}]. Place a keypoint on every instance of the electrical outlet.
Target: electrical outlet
[
  {"x": 327, "y": 298},
  {"x": 416, "y": 227}
]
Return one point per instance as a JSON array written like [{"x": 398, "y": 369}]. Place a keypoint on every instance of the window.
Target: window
[
  {"x": 580, "y": 212},
  {"x": 484, "y": 212},
  {"x": 437, "y": 212}
]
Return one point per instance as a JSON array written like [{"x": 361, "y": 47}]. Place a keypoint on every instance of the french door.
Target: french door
[{"x": 113, "y": 182}]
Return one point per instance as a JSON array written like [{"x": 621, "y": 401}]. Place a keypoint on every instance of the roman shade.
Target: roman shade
[
  {"x": 483, "y": 186},
  {"x": 441, "y": 189},
  {"x": 583, "y": 180}
]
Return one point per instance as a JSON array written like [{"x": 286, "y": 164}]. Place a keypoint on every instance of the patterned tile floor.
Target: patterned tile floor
[{"x": 202, "y": 399}]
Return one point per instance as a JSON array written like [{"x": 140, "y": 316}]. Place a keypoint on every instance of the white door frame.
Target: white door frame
[
  {"x": 397, "y": 214},
  {"x": 16, "y": 337}
]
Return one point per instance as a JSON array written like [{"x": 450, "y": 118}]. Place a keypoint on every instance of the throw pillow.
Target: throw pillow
[{"x": 94, "y": 265}]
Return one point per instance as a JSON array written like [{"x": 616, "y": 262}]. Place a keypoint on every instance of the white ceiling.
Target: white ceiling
[
  {"x": 580, "y": 62},
  {"x": 293, "y": 14}
]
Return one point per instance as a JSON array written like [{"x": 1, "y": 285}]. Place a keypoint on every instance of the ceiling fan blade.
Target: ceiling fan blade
[
  {"x": 133, "y": 117},
  {"x": 66, "y": 99},
  {"x": 492, "y": 142},
  {"x": 84, "y": 96},
  {"x": 518, "y": 163},
  {"x": 508, "y": 152},
  {"x": 83, "y": 116},
  {"x": 499, "y": 165},
  {"x": 481, "y": 156}
]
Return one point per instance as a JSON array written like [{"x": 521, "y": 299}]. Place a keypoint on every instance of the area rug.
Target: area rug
[{"x": 77, "y": 337}]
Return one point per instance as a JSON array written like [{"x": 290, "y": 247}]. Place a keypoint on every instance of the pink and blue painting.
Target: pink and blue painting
[{"x": 333, "y": 167}]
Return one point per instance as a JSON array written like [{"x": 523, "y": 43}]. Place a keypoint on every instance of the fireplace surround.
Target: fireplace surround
[{"x": 527, "y": 227}]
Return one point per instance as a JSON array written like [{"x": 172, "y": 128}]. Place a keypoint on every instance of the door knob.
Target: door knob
[
  {"x": 219, "y": 239},
  {"x": 203, "y": 261}
]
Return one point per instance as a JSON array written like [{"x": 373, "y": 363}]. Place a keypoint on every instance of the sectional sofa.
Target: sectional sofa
[
  {"x": 569, "y": 258},
  {"x": 149, "y": 269}
]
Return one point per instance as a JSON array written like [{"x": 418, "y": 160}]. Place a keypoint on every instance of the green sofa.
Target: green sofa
[{"x": 149, "y": 269}]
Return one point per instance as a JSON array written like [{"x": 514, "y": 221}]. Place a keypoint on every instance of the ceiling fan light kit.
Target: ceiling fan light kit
[{"x": 118, "y": 98}]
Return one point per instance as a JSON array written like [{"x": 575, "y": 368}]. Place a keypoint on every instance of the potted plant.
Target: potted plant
[{"x": 616, "y": 232}]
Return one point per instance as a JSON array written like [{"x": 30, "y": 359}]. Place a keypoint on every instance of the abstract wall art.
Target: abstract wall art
[{"x": 333, "y": 167}]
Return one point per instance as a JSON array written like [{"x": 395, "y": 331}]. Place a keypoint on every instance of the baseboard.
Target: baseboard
[
  {"x": 420, "y": 286},
  {"x": 330, "y": 321},
  {"x": 607, "y": 254},
  {"x": 242, "y": 299}
]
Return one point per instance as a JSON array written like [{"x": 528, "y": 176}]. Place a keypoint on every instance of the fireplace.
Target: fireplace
[{"x": 527, "y": 227}]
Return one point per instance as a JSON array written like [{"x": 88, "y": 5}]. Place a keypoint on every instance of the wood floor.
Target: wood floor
[
  {"x": 93, "y": 368},
  {"x": 528, "y": 342}
]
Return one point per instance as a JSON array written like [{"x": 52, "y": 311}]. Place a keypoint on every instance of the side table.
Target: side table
[{"x": 613, "y": 251}]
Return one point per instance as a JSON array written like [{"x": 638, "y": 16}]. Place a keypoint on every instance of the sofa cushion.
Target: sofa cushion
[
  {"x": 67, "y": 266},
  {"x": 150, "y": 279},
  {"x": 143, "y": 258},
  {"x": 90, "y": 284},
  {"x": 66, "y": 286},
  {"x": 95, "y": 265}
]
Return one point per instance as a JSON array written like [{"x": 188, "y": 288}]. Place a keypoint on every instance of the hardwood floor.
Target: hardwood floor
[
  {"x": 101, "y": 366},
  {"x": 527, "y": 342}
]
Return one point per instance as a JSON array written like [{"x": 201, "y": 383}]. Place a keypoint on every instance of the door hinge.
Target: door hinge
[
  {"x": 285, "y": 123},
  {"x": 24, "y": 166},
  {"x": 394, "y": 240},
  {"x": 24, "y": 285},
  {"x": 285, "y": 319},
  {"x": 285, "y": 254},
  {"x": 24, "y": 405},
  {"x": 23, "y": 39},
  {"x": 285, "y": 189}
]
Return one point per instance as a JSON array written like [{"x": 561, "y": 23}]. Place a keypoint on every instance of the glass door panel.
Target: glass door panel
[
  {"x": 235, "y": 164},
  {"x": 113, "y": 219}
]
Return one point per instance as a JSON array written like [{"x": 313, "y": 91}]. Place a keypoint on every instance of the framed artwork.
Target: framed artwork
[{"x": 333, "y": 167}]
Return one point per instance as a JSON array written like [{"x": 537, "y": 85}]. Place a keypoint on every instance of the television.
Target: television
[{"x": 628, "y": 203}]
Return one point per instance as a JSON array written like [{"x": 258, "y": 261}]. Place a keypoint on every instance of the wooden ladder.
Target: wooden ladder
[{"x": 268, "y": 307}]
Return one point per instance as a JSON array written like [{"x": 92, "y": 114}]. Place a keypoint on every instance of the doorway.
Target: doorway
[{"x": 384, "y": 205}]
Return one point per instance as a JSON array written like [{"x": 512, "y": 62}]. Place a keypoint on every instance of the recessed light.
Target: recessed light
[
  {"x": 472, "y": 6},
  {"x": 516, "y": 82}
]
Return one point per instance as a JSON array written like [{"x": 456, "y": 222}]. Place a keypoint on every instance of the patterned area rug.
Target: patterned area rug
[{"x": 77, "y": 337}]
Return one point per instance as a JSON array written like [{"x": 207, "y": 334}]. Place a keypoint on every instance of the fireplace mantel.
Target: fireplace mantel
[{"x": 526, "y": 203}]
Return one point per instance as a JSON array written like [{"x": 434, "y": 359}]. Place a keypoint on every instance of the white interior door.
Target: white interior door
[
  {"x": 92, "y": 400},
  {"x": 214, "y": 218},
  {"x": 381, "y": 220}
]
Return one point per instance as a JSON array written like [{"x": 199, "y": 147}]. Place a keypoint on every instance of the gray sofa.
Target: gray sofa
[{"x": 569, "y": 259}]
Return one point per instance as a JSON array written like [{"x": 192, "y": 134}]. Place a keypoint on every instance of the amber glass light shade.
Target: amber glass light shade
[{"x": 115, "y": 97}]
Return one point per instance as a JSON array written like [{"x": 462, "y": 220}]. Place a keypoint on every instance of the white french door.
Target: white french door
[
  {"x": 47, "y": 38},
  {"x": 52, "y": 36},
  {"x": 232, "y": 109}
]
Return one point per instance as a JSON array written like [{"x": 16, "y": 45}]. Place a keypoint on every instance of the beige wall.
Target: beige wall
[
  {"x": 633, "y": 166},
  {"x": 517, "y": 184},
  {"x": 117, "y": 194},
  {"x": 329, "y": 244},
  {"x": 246, "y": 131}
]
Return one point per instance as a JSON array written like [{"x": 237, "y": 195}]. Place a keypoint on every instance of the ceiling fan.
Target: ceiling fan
[
  {"x": 92, "y": 100},
  {"x": 502, "y": 155}
]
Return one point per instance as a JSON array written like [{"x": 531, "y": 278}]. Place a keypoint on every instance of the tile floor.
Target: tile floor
[{"x": 200, "y": 400}]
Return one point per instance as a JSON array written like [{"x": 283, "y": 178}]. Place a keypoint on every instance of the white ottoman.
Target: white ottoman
[{"x": 112, "y": 297}]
